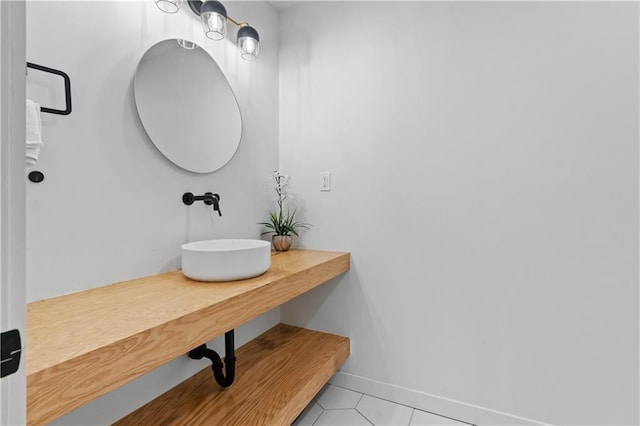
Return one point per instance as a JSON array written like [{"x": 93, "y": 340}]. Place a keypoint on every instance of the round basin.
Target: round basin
[{"x": 225, "y": 260}]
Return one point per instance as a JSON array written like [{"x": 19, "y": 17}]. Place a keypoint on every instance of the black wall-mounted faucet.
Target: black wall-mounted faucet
[{"x": 209, "y": 199}]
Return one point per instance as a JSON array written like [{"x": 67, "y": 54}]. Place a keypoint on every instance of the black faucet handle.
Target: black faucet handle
[
  {"x": 213, "y": 199},
  {"x": 209, "y": 198}
]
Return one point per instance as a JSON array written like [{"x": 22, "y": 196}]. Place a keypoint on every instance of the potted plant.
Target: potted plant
[{"x": 282, "y": 223}]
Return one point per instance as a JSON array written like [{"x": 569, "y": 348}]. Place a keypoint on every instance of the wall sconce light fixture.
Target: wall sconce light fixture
[
  {"x": 169, "y": 6},
  {"x": 213, "y": 16}
]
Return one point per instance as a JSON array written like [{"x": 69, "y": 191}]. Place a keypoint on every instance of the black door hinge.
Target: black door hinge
[{"x": 10, "y": 350}]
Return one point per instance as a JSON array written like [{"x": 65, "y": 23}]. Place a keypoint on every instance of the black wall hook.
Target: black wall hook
[{"x": 36, "y": 176}]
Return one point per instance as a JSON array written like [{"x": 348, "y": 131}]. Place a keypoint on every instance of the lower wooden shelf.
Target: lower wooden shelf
[{"x": 277, "y": 375}]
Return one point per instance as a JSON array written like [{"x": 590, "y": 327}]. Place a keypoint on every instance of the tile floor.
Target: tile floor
[{"x": 336, "y": 406}]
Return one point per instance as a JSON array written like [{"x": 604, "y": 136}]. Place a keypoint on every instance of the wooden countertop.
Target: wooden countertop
[{"x": 83, "y": 345}]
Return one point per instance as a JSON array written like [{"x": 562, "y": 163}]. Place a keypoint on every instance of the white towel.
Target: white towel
[{"x": 33, "y": 133}]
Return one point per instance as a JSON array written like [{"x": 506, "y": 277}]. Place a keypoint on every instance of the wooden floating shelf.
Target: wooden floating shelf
[
  {"x": 277, "y": 374},
  {"x": 85, "y": 344}
]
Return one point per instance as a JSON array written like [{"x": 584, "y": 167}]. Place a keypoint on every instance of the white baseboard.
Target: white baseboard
[{"x": 454, "y": 409}]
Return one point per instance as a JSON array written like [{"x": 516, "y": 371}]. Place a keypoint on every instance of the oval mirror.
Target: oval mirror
[{"x": 187, "y": 106}]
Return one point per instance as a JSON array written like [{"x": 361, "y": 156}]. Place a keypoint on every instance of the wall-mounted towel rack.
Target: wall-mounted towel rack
[{"x": 67, "y": 89}]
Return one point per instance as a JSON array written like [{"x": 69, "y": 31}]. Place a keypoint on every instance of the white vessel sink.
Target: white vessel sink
[{"x": 225, "y": 260}]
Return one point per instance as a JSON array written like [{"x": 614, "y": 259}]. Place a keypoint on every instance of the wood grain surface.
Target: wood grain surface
[
  {"x": 86, "y": 344},
  {"x": 277, "y": 375}
]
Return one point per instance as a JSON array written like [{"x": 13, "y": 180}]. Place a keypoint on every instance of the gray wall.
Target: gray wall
[
  {"x": 484, "y": 161},
  {"x": 110, "y": 206}
]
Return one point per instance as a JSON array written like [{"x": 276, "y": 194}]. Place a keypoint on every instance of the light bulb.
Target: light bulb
[
  {"x": 213, "y": 16},
  {"x": 248, "y": 42}
]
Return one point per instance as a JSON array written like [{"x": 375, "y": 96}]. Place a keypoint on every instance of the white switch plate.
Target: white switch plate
[{"x": 325, "y": 181}]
